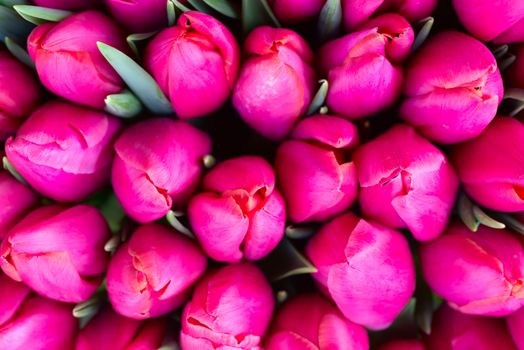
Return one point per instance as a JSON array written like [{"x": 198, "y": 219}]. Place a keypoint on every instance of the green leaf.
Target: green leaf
[
  {"x": 510, "y": 221},
  {"x": 180, "y": 6},
  {"x": 500, "y": 51},
  {"x": 39, "y": 15},
  {"x": 9, "y": 167},
  {"x": 300, "y": 232},
  {"x": 465, "y": 211},
  {"x": 257, "y": 13},
  {"x": 10, "y": 3},
  {"x": 112, "y": 212},
  {"x": 13, "y": 26},
  {"x": 123, "y": 105},
  {"x": 425, "y": 28},
  {"x": 225, "y": 7},
  {"x": 319, "y": 98},
  {"x": 134, "y": 39},
  {"x": 17, "y": 51},
  {"x": 137, "y": 79},
  {"x": 486, "y": 220},
  {"x": 199, "y": 5},
  {"x": 329, "y": 20},
  {"x": 172, "y": 218},
  {"x": 171, "y": 13}
]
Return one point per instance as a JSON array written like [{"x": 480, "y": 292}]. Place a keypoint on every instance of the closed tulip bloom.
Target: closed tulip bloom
[
  {"x": 58, "y": 252},
  {"x": 363, "y": 68},
  {"x": 68, "y": 61},
  {"x": 240, "y": 213},
  {"x": 367, "y": 269},
  {"x": 295, "y": 11},
  {"x": 150, "y": 275},
  {"x": 309, "y": 322},
  {"x": 276, "y": 82},
  {"x": 71, "y": 5},
  {"x": 319, "y": 154},
  {"x": 515, "y": 324},
  {"x": 28, "y": 321},
  {"x": 230, "y": 309},
  {"x": 411, "y": 344},
  {"x": 453, "y": 330},
  {"x": 490, "y": 167},
  {"x": 406, "y": 182},
  {"x": 109, "y": 330},
  {"x": 357, "y": 12},
  {"x": 16, "y": 200},
  {"x": 19, "y": 94},
  {"x": 131, "y": 14},
  {"x": 449, "y": 101},
  {"x": 480, "y": 273},
  {"x": 64, "y": 151},
  {"x": 195, "y": 63},
  {"x": 158, "y": 164},
  {"x": 500, "y": 21}
]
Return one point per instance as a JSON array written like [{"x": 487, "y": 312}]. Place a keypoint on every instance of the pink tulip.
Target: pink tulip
[
  {"x": 357, "y": 12},
  {"x": 449, "y": 101},
  {"x": 231, "y": 309},
  {"x": 367, "y": 269},
  {"x": 479, "y": 273},
  {"x": 411, "y": 344},
  {"x": 318, "y": 154},
  {"x": 132, "y": 14},
  {"x": 158, "y": 164},
  {"x": 109, "y": 330},
  {"x": 490, "y": 167},
  {"x": 295, "y": 11},
  {"x": 309, "y": 322},
  {"x": 452, "y": 330},
  {"x": 363, "y": 68},
  {"x": 68, "y": 61},
  {"x": 28, "y": 321},
  {"x": 406, "y": 182},
  {"x": 195, "y": 63},
  {"x": 58, "y": 252},
  {"x": 19, "y": 94},
  {"x": 71, "y": 5},
  {"x": 515, "y": 324},
  {"x": 150, "y": 275},
  {"x": 500, "y": 21},
  {"x": 240, "y": 213},
  {"x": 16, "y": 200},
  {"x": 276, "y": 82},
  {"x": 64, "y": 151}
]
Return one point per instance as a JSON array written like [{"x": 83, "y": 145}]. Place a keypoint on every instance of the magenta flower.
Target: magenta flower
[
  {"x": 240, "y": 213},
  {"x": 230, "y": 309},
  {"x": 446, "y": 100},
  {"x": 500, "y": 21},
  {"x": 309, "y": 322},
  {"x": 363, "y": 68},
  {"x": 110, "y": 330},
  {"x": 276, "y": 82},
  {"x": 406, "y": 182},
  {"x": 318, "y": 154},
  {"x": 150, "y": 275},
  {"x": 28, "y": 321},
  {"x": 158, "y": 164},
  {"x": 68, "y": 61},
  {"x": 295, "y": 11},
  {"x": 195, "y": 63},
  {"x": 19, "y": 94},
  {"x": 515, "y": 323},
  {"x": 139, "y": 16},
  {"x": 404, "y": 344},
  {"x": 64, "y": 151},
  {"x": 479, "y": 273},
  {"x": 71, "y": 5},
  {"x": 58, "y": 252},
  {"x": 367, "y": 269},
  {"x": 16, "y": 200}
]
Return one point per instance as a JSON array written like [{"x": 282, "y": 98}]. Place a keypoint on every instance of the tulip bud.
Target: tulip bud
[
  {"x": 406, "y": 182},
  {"x": 150, "y": 275},
  {"x": 366, "y": 268},
  {"x": 58, "y": 252},
  {"x": 158, "y": 163},
  {"x": 411, "y": 344},
  {"x": 195, "y": 63},
  {"x": 310, "y": 322},
  {"x": 295, "y": 11},
  {"x": 515, "y": 324},
  {"x": 64, "y": 151},
  {"x": 231, "y": 309},
  {"x": 363, "y": 68},
  {"x": 139, "y": 16},
  {"x": 480, "y": 273},
  {"x": 68, "y": 61},
  {"x": 72, "y": 5},
  {"x": 313, "y": 170},
  {"x": 449, "y": 101},
  {"x": 16, "y": 200},
  {"x": 500, "y": 21},
  {"x": 19, "y": 94},
  {"x": 452, "y": 330},
  {"x": 28, "y": 321},
  {"x": 357, "y": 12},
  {"x": 240, "y": 213},
  {"x": 109, "y": 330},
  {"x": 276, "y": 82},
  {"x": 490, "y": 167}
]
